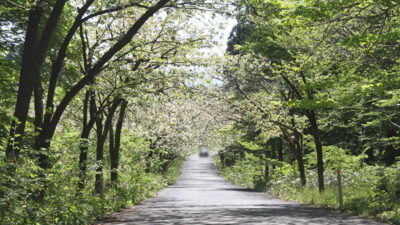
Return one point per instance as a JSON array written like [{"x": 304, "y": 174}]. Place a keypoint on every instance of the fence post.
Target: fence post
[{"x": 340, "y": 192}]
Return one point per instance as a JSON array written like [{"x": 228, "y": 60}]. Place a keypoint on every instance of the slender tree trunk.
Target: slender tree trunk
[
  {"x": 115, "y": 154},
  {"x": 87, "y": 126},
  {"x": 38, "y": 93},
  {"x": 279, "y": 146},
  {"x": 266, "y": 175},
  {"x": 300, "y": 160},
  {"x": 266, "y": 170},
  {"x": 102, "y": 131},
  {"x": 273, "y": 153},
  {"x": 99, "y": 180},
  {"x": 83, "y": 146},
  {"x": 83, "y": 156},
  {"x": 318, "y": 146},
  {"x": 111, "y": 147},
  {"x": 296, "y": 149}
]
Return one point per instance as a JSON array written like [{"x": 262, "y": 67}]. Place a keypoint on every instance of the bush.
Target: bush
[
  {"x": 371, "y": 191},
  {"x": 64, "y": 203}
]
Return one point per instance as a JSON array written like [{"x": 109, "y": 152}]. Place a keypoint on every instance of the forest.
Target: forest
[{"x": 102, "y": 101}]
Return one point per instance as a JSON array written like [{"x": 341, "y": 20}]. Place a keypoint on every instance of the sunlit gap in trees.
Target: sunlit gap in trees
[{"x": 206, "y": 61}]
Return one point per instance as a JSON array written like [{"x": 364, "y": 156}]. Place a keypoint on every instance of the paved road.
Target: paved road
[{"x": 201, "y": 196}]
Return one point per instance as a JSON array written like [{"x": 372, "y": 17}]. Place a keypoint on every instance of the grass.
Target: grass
[{"x": 362, "y": 199}]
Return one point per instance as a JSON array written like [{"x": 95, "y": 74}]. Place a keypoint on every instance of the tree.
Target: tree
[{"x": 312, "y": 51}]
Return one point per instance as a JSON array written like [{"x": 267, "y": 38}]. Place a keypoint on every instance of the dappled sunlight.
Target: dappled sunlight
[
  {"x": 201, "y": 196},
  {"x": 105, "y": 104}
]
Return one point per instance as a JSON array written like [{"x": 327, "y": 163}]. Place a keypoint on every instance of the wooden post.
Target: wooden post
[{"x": 340, "y": 192}]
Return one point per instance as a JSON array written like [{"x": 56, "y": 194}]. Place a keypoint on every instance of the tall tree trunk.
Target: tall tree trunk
[
  {"x": 115, "y": 154},
  {"x": 25, "y": 85},
  {"x": 99, "y": 180},
  {"x": 34, "y": 52},
  {"x": 40, "y": 138},
  {"x": 300, "y": 161},
  {"x": 279, "y": 146},
  {"x": 266, "y": 170},
  {"x": 318, "y": 146},
  {"x": 296, "y": 149},
  {"x": 266, "y": 175},
  {"x": 273, "y": 153},
  {"x": 83, "y": 156},
  {"x": 102, "y": 131},
  {"x": 87, "y": 126},
  {"x": 48, "y": 126},
  {"x": 111, "y": 148}
]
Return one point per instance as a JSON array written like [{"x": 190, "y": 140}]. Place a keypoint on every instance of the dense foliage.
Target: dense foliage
[
  {"x": 100, "y": 103},
  {"x": 102, "y": 100},
  {"x": 313, "y": 87}
]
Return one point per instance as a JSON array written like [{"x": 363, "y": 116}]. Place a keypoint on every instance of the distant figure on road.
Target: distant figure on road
[{"x": 203, "y": 152}]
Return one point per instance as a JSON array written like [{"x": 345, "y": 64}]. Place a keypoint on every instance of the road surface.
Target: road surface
[{"x": 201, "y": 196}]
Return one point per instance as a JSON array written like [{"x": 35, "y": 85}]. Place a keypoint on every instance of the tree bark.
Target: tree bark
[
  {"x": 111, "y": 148},
  {"x": 296, "y": 149},
  {"x": 318, "y": 147},
  {"x": 25, "y": 85},
  {"x": 102, "y": 131},
  {"x": 266, "y": 175},
  {"x": 280, "y": 149},
  {"x": 99, "y": 180},
  {"x": 34, "y": 52},
  {"x": 115, "y": 151},
  {"x": 40, "y": 54},
  {"x": 89, "y": 107},
  {"x": 297, "y": 145},
  {"x": 300, "y": 161},
  {"x": 266, "y": 170}
]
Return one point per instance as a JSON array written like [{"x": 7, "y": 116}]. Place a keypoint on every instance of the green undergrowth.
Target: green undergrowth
[
  {"x": 371, "y": 192},
  {"x": 173, "y": 171},
  {"x": 65, "y": 203}
]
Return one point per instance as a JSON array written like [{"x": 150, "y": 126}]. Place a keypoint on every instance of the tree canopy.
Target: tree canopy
[{"x": 101, "y": 101}]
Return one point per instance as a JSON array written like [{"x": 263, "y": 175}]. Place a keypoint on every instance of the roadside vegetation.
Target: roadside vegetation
[
  {"x": 100, "y": 101},
  {"x": 314, "y": 90},
  {"x": 370, "y": 191}
]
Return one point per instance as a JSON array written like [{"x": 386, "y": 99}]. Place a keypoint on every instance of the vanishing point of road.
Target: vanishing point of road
[{"x": 201, "y": 196}]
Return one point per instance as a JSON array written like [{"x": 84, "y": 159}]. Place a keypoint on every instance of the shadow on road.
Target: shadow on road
[
  {"x": 256, "y": 214},
  {"x": 201, "y": 196}
]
